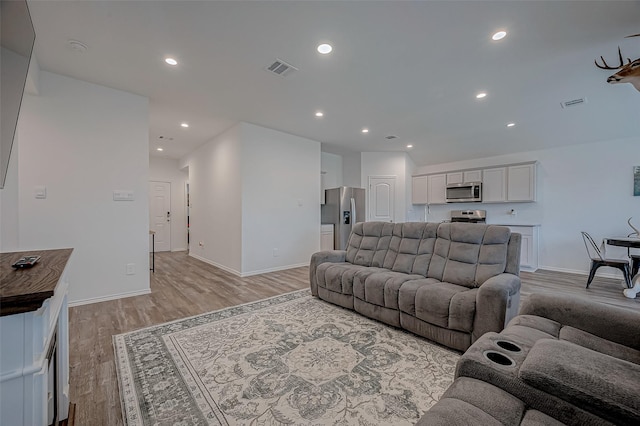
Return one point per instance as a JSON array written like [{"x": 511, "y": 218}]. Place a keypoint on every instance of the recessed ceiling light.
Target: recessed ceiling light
[
  {"x": 171, "y": 61},
  {"x": 184, "y": 124},
  {"x": 319, "y": 114},
  {"x": 325, "y": 48},
  {"x": 160, "y": 149},
  {"x": 409, "y": 146},
  {"x": 481, "y": 95},
  {"x": 499, "y": 35},
  {"x": 511, "y": 124},
  {"x": 365, "y": 130}
]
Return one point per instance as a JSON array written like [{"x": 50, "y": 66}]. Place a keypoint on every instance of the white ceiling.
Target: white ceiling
[{"x": 409, "y": 69}]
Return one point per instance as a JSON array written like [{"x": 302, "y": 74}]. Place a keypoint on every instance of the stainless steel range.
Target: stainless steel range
[{"x": 470, "y": 216}]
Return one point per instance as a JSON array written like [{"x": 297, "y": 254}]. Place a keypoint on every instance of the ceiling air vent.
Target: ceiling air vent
[
  {"x": 573, "y": 102},
  {"x": 281, "y": 68}
]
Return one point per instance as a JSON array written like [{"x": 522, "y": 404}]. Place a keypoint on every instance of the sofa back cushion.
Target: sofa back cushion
[
  {"x": 469, "y": 254},
  {"x": 368, "y": 243},
  {"x": 411, "y": 247}
]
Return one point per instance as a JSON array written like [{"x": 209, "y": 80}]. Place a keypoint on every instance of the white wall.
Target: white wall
[
  {"x": 254, "y": 190},
  {"x": 389, "y": 164},
  {"x": 82, "y": 141},
  {"x": 166, "y": 170},
  {"x": 9, "y": 214},
  {"x": 580, "y": 188},
  {"x": 351, "y": 170},
  {"x": 280, "y": 199},
  {"x": 331, "y": 165},
  {"x": 215, "y": 185}
]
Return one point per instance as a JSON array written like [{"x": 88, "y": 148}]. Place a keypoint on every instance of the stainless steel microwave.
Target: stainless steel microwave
[{"x": 470, "y": 192}]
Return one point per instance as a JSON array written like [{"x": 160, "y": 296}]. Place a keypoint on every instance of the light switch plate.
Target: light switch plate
[
  {"x": 123, "y": 195},
  {"x": 40, "y": 192}
]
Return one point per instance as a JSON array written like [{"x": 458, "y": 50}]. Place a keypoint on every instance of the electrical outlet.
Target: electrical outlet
[
  {"x": 131, "y": 268},
  {"x": 275, "y": 252}
]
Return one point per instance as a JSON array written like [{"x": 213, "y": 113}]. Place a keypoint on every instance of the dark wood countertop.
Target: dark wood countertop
[{"x": 25, "y": 290}]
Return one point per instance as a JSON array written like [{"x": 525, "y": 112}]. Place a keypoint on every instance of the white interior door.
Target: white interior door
[
  {"x": 160, "y": 214},
  {"x": 382, "y": 190}
]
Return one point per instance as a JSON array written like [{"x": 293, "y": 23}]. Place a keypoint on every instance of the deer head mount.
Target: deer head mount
[{"x": 628, "y": 73}]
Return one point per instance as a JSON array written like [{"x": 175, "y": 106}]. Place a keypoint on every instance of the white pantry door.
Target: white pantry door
[
  {"x": 382, "y": 190},
  {"x": 160, "y": 214}
]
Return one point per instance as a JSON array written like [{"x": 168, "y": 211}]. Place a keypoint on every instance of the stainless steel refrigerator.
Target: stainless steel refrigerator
[{"x": 343, "y": 207}]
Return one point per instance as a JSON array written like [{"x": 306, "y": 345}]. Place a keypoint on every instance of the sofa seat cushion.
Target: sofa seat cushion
[
  {"x": 536, "y": 418},
  {"x": 474, "y": 402},
  {"x": 595, "y": 382},
  {"x": 599, "y": 344},
  {"x": 443, "y": 304},
  {"x": 380, "y": 287},
  {"x": 338, "y": 277}
]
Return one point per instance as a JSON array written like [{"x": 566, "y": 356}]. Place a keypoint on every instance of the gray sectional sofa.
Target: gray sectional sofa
[
  {"x": 560, "y": 361},
  {"x": 448, "y": 282}
]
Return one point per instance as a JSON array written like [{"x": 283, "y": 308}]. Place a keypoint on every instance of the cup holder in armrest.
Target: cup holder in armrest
[
  {"x": 498, "y": 358},
  {"x": 508, "y": 346}
]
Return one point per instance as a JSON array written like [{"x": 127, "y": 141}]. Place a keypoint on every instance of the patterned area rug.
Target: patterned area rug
[{"x": 288, "y": 360}]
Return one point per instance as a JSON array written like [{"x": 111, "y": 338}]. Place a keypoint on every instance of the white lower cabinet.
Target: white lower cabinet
[
  {"x": 326, "y": 237},
  {"x": 529, "y": 247}
]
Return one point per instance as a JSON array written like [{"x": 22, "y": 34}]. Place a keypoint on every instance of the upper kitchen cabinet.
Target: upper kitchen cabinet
[
  {"x": 494, "y": 185},
  {"x": 515, "y": 183},
  {"x": 437, "y": 188},
  {"x": 419, "y": 190},
  {"x": 521, "y": 182},
  {"x": 464, "y": 176}
]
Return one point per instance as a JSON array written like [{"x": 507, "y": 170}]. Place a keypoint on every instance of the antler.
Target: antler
[{"x": 606, "y": 66}]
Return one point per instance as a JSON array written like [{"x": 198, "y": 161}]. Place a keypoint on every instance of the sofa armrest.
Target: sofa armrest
[
  {"x": 619, "y": 325},
  {"x": 601, "y": 384},
  {"x": 497, "y": 301},
  {"x": 333, "y": 256}
]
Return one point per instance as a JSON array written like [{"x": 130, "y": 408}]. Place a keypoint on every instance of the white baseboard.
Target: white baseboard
[
  {"x": 278, "y": 268},
  {"x": 599, "y": 273},
  {"x": 107, "y": 298},
  {"x": 217, "y": 265},
  {"x": 179, "y": 249},
  {"x": 246, "y": 274}
]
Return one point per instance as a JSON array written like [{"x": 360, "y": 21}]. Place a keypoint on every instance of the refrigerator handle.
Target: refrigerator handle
[{"x": 353, "y": 211}]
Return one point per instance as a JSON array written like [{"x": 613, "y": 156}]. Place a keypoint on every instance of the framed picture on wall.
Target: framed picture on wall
[{"x": 636, "y": 181}]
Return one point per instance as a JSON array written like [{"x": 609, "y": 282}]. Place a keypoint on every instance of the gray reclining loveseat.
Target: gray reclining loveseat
[
  {"x": 448, "y": 282},
  {"x": 562, "y": 360}
]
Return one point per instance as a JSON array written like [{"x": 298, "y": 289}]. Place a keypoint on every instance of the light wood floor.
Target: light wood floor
[{"x": 183, "y": 286}]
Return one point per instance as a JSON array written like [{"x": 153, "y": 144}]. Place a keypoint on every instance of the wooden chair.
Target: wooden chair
[{"x": 598, "y": 260}]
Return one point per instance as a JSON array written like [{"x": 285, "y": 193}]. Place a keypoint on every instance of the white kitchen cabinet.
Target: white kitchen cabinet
[
  {"x": 472, "y": 176},
  {"x": 464, "y": 176},
  {"x": 494, "y": 185},
  {"x": 521, "y": 182},
  {"x": 515, "y": 184},
  {"x": 529, "y": 247},
  {"x": 326, "y": 237},
  {"x": 455, "y": 177},
  {"x": 437, "y": 188},
  {"x": 419, "y": 190}
]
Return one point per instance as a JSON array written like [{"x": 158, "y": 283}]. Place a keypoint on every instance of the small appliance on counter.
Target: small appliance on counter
[
  {"x": 470, "y": 192},
  {"x": 470, "y": 216},
  {"x": 343, "y": 207}
]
